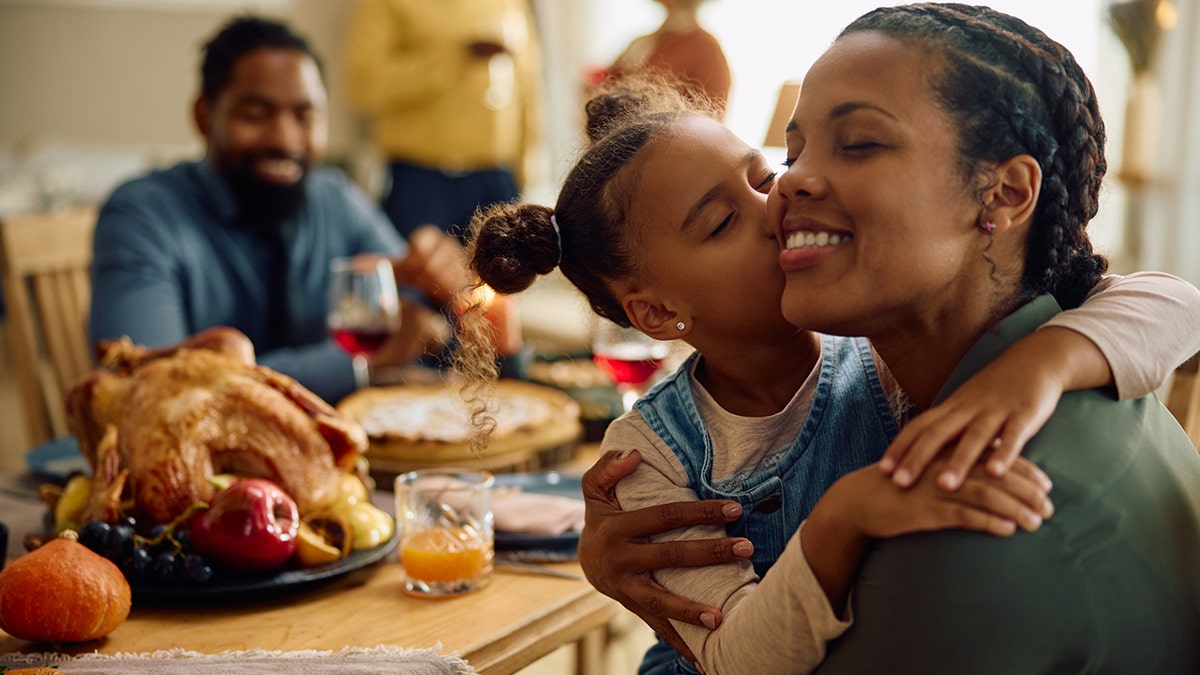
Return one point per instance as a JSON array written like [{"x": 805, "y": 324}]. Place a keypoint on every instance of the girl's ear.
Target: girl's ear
[
  {"x": 1013, "y": 198},
  {"x": 652, "y": 319}
]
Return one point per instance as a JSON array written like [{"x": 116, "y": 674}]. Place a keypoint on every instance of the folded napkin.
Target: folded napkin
[
  {"x": 531, "y": 513},
  {"x": 381, "y": 659},
  {"x": 515, "y": 511}
]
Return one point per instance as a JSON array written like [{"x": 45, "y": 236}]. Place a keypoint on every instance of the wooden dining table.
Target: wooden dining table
[{"x": 518, "y": 618}]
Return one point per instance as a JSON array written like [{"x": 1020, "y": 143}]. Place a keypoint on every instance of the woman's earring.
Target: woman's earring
[
  {"x": 988, "y": 226},
  {"x": 680, "y": 326}
]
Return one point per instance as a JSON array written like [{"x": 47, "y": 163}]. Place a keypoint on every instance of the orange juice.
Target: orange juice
[
  {"x": 446, "y": 555},
  {"x": 445, "y": 521}
]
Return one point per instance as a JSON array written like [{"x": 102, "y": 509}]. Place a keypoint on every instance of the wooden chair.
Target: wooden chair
[
  {"x": 45, "y": 260},
  {"x": 1183, "y": 399},
  {"x": 789, "y": 91}
]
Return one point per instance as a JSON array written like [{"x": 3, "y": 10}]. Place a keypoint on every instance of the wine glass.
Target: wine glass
[
  {"x": 363, "y": 308},
  {"x": 628, "y": 356}
]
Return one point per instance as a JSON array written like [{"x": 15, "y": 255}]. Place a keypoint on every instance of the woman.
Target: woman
[{"x": 958, "y": 153}]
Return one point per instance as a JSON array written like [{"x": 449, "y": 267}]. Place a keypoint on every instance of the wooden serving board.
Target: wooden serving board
[{"x": 518, "y": 448}]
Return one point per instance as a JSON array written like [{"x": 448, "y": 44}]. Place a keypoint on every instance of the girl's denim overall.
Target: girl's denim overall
[{"x": 849, "y": 425}]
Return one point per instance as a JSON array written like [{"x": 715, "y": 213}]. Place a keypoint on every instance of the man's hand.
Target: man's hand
[
  {"x": 617, "y": 556},
  {"x": 422, "y": 331},
  {"x": 485, "y": 49},
  {"x": 436, "y": 264}
]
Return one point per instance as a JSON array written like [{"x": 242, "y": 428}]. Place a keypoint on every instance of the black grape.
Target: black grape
[
  {"x": 196, "y": 568},
  {"x": 137, "y": 565},
  {"x": 166, "y": 567},
  {"x": 118, "y": 543},
  {"x": 92, "y": 535}
]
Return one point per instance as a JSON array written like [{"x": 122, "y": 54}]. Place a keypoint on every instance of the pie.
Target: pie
[{"x": 422, "y": 424}]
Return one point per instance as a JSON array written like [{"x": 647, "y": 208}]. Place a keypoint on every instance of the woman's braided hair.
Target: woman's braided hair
[{"x": 1012, "y": 90}]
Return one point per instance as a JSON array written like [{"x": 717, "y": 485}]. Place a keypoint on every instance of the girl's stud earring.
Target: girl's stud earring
[
  {"x": 680, "y": 326},
  {"x": 988, "y": 226}
]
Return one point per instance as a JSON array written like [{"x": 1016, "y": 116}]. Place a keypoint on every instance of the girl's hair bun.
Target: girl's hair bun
[
  {"x": 512, "y": 244},
  {"x": 607, "y": 108},
  {"x": 637, "y": 96}
]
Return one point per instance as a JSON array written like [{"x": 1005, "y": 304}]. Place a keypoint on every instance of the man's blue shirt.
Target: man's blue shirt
[{"x": 171, "y": 259}]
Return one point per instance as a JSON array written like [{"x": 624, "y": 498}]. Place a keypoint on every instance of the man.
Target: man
[
  {"x": 452, "y": 91},
  {"x": 244, "y": 237}
]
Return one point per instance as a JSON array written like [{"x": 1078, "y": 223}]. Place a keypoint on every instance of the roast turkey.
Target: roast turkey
[{"x": 176, "y": 416}]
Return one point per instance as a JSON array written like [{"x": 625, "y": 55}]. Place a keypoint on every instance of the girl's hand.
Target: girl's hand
[
  {"x": 873, "y": 509},
  {"x": 865, "y": 505},
  {"x": 998, "y": 410}
]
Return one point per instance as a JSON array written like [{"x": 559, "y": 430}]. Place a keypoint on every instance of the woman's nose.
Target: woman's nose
[{"x": 802, "y": 179}]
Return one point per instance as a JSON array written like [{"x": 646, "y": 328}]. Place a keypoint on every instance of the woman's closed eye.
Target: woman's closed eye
[{"x": 861, "y": 147}]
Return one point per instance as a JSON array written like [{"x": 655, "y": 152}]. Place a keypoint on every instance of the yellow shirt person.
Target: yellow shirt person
[{"x": 452, "y": 89}]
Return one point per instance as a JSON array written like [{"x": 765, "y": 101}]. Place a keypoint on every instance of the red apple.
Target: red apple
[{"x": 251, "y": 525}]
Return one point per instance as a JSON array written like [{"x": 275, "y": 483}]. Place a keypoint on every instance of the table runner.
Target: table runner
[{"x": 352, "y": 660}]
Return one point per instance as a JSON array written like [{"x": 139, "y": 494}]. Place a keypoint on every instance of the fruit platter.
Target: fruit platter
[
  {"x": 247, "y": 544},
  {"x": 213, "y": 478}
]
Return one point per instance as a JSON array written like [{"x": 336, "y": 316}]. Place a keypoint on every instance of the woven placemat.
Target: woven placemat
[{"x": 353, "y": 660}]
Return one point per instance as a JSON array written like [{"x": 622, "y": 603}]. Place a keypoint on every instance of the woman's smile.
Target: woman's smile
[{"x": 806, "y": 242}]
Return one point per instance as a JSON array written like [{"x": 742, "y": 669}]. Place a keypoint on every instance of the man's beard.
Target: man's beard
[{"x": 263, "y": 205}]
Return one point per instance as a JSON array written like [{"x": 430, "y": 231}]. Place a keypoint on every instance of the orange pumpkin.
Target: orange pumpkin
[{"x": 62, "y": 592}]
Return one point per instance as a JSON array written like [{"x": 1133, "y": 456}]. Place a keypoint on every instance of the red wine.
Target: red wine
[
  {"x": 626, "y": 371},
  {"x": 360, "y": 340}
]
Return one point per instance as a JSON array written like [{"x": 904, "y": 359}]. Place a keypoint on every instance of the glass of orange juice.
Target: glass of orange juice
[{"x": 446, "y": 535}]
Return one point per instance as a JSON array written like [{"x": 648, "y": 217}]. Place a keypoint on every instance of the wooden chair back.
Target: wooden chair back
[
  {"x": 1183, "y": 399},
  {"x": 45, "y": 259},
  {"x": 789, "y": 91}
]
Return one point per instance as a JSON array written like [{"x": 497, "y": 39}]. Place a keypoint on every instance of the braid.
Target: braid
[{"x": 1012, "y": 90}]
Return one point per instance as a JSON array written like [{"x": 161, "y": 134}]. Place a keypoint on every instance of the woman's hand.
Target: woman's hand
[
  {"x": 998, "y": 409},
  {"x": 618, "y": 557}
]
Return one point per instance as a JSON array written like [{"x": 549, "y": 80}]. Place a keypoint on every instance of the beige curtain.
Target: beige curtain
[{"x": 1165, "y": 214}]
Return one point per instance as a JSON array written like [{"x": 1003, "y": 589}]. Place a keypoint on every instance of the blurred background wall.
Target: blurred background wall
[{"x": 96, "y": 90}]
